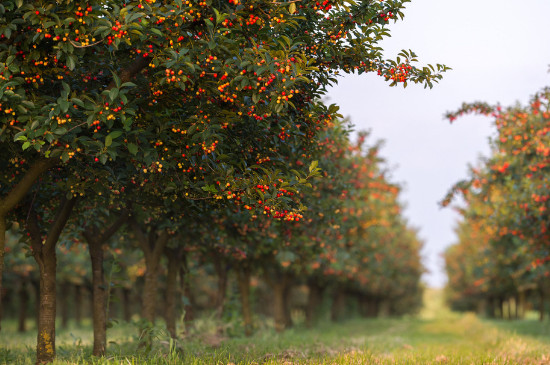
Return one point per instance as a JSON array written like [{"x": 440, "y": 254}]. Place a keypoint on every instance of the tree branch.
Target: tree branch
[
  {"x": 17, "y": 193},
  {"x": 59, "y": 222}
]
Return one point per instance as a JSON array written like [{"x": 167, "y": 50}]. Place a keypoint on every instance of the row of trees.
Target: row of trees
[
  {"x": 175, "y": 120},
  {"x": 352, "y": 246},
  {"x": 501, "y": 259}
]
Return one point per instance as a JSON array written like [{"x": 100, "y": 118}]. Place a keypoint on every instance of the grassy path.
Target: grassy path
[{"x": 436, "y": 336}]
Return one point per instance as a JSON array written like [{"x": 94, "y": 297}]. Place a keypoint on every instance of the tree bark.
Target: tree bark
[
  {"x": 95, "y": 240},
  {"x": 279, "y": 306},
  {"x": 243, "y": 279},
  {"x": 11, "y": 199},
  {"x": 78, "y": 304},
  {"x": 2, "y": 248},
  {"x": 45, "y": 348},
  {"x": 313, "y": 302},
  {"x": 287, "y": 306},
  {"x": 23, "y": 306},
  {"x": 45, "y": 256},
  {"x": 152, "y": 245},
  {"x": 126, "y": 305},
  {"x": 189, "y": 301},
  {"x": 174, "y": 262},
  {"x": 221, "y": 271},
  {"x": 337, "y": 307},
  {"x": 542, "y": 303},
  {"x": 99, "y": 297},
  {"x": 521, "y": 304}
]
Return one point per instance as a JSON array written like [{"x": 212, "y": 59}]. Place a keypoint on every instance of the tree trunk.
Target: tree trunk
[
  {"x": 99, "y": 297},
  {"x": 542, "y": 303},
  {"x": 23, "y": 306},
  {"x": 11, "y": 199},
  {"x": 313, "y": 302},
  {"x": 287, "y": 306},
  {"x": 45, "y": 256},
  {"x": 64, "y": 305},
  {"x": 521, "y": 304},
  {"x": 126, "y": 305},
  {"x": 373, "y": 308},
  {"x": 221, "y": 271},
  {"x": 279, "y": 305},
  {"x": 174, "y": 261},
  {"x": 150, "y": 288},
  {"x": 78, "y": 304},
  {"x": 45, "y": 348},
  {"x": 338, "y": 302},
  {"x": 152, "y": 244},
  {"x": 243, "y": 279},
  {"x": 490, "y": 310},
  {"x": 95, "y": 239},
  {"x": 2, "y": 248},
  {"x": 501, "y": 307},
  {"x": 188, "y": 303}
]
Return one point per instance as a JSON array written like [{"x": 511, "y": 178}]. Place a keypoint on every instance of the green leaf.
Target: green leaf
[
  {"x": 60, "y": 131},
  {"x": 116, "y": 79},
  {"x": 292, "y": 8},
  {"x": 26, "y": 145},
  {"x": 132, "y": 148},
  {"x": 70, "y": 62},
  {"x": 113, "y": 93},
  {"x": 313, "y": 165}
]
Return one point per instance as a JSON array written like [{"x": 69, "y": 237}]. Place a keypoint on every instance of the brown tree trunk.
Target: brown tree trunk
[
  {"x": 521, "y": 304},
  {"x": 373, "y": 307},
  {"x": 221, "y": 270},
  {"x": 23, "y": 306},
  {"x": 45, "y": 348},
  {"x": 45, "y": 256},
  {"x": 243, "y": 279},
  {"x": 188, "y": 303},
  {"x": 174, "y": 261},
  {"x": 152, "y": 244},
  {"x": 313, "y": 302},
  {"x": 150, "y": 288},
  {"x": 2, "y": 248},
  {"x": 490, "y": 307},
  {"x": 279, "y": 305},
  {"x": 78, "y": 304},
  {"x": 96, "y": 239},
  {"x": 63, "y": 304},
  {"x": 126, "y": 305},
  {"x": 11, "y": 199},
  {"x": 542, "y": 303},
  {"x": 99, "y": 297},
  {"x": 287, "y": 305},
  {"x": 337, "y": 307}
]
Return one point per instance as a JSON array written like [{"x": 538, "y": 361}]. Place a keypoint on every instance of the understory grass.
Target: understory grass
[{"x": 435, "y": 336}]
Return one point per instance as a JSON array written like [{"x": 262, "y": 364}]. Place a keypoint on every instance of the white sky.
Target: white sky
[{"x": 499, "y": 51}]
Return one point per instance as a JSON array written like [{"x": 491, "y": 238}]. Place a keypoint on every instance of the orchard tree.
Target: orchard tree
[
  {"x": 189, "y": 91},
  {"x": 513, "y": 185}
]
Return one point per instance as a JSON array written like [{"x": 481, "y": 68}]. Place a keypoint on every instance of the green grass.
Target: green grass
[{"x": 436, "y": 336}]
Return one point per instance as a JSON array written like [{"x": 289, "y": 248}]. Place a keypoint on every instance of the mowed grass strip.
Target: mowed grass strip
[{"x": 436, "y": 336}]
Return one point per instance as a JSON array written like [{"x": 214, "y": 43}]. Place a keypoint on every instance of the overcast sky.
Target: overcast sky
[{"x": 499, "y": 51}]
